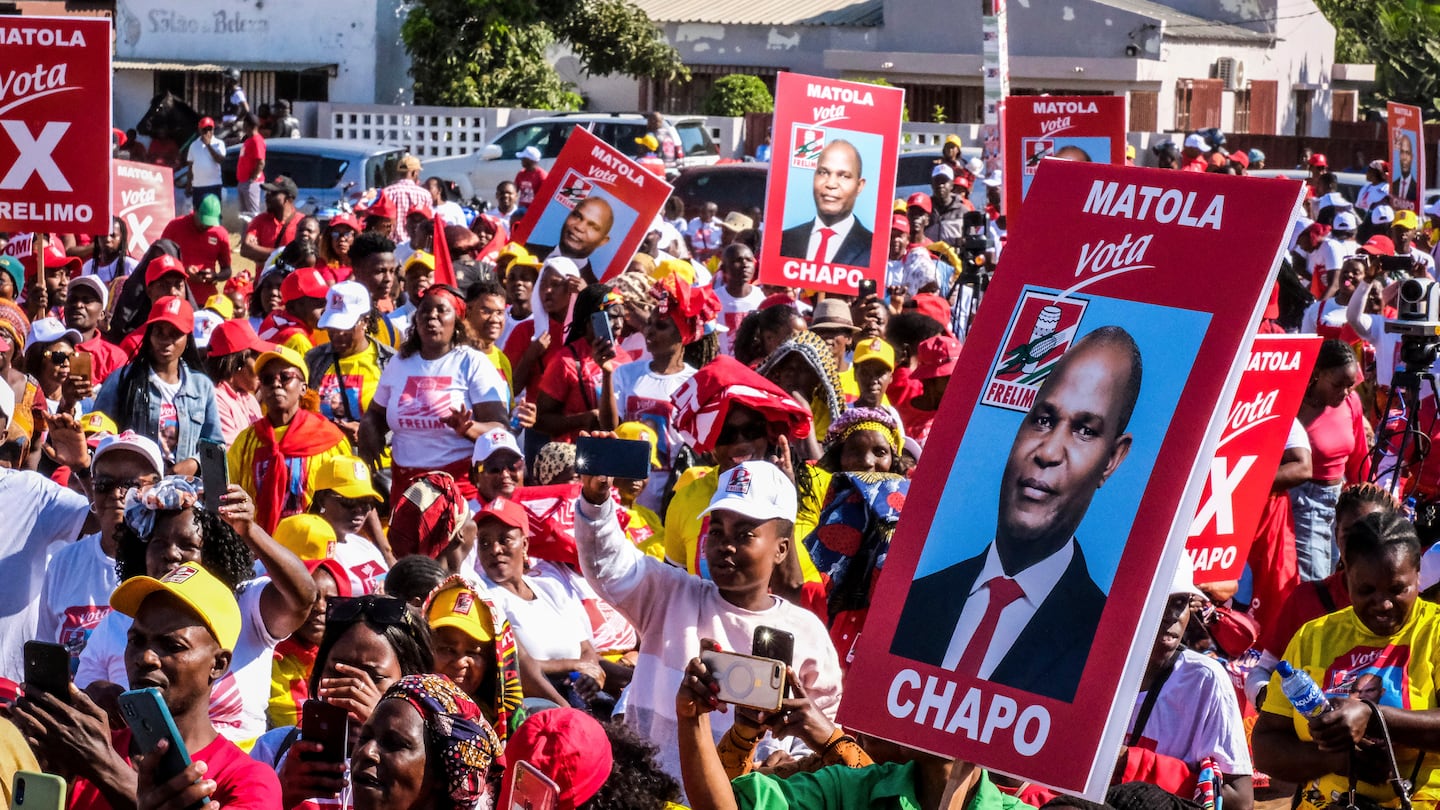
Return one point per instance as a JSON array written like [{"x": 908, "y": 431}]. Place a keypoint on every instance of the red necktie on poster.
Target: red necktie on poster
[
  {"x": 820, "y": 254},
  {"x": 1002, "y": 592}
]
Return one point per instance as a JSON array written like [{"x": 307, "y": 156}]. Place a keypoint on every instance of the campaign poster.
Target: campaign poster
[
  {"x": 143, "y": 201},
  {"x": 832, "y": 180},
  {"x": 55, "y": 124},
  {"x": 1088, "y": 129},
  {"x": 1407, "y": 156},
  {"x": 1030, "y": 570},
  {"x": 595, "y": 206},
  {"x": 1242, "y": 471}
]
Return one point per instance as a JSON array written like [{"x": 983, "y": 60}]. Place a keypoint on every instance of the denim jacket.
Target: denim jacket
[{"x": 199, "y": 417}]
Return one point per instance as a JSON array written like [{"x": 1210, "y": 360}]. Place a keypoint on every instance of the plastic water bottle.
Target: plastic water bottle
[{"x": 1301, "y": 691}]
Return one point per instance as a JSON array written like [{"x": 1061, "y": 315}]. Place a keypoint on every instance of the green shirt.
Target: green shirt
[{"x": 883, "y": 785}]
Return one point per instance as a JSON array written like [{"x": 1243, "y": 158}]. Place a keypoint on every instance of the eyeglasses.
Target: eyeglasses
[
  {"x": 105, "y": 485},
  {"x": 60, "y": 358},
  {"x": 281, "y": 377},
  {"x": 748, "y": 432},
  {"x": 372, "y": 607}
]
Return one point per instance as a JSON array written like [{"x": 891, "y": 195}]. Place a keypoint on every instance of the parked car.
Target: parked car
[
  {"x": 912, "y": 172},
  {"x": 731, "y": 186},
  {"x": 1350, "y": 182},
  {"x": 478, "y": 173},
  {"x": 325, "y": 170}
]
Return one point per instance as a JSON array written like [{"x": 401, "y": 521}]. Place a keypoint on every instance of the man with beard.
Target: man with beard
[{"x": 276, "y": 227}]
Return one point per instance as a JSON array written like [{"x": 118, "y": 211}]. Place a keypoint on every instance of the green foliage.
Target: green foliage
[
  {"x": 491, "y": 53},
  {"x": 737, "y": 94},
  {"x": 937, "y": 115},
  {"x": 1400, "y": 37}
]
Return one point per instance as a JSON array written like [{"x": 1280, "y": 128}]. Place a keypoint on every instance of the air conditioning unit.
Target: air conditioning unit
[{"x": 1231, "y": 71}]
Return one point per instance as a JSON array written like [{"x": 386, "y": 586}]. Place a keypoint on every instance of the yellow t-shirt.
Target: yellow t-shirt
[
  {"x": 362, "y": 373},
  {"x": 502, "y": 365},
  {"x": 1345, "y": 658},
  {"x": 646, "y": 530},
  {"x": 302, "y": 343},
  {"x": 683, "y": 521},
  {"x": 241, "y": 461}
]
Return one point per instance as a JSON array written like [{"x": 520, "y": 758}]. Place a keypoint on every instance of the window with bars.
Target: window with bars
[
  {"x": 205, "y": 90},
  {"x": 688, "y": 98}
]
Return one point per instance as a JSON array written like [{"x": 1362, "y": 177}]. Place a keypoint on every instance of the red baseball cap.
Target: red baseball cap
[
  {"x": 54, "y": 257},
  {"x": 1318, "y": 160},
  {"x": 164, "y": 265},
  {"x": 920, "y": 200},
  {"x": 568, "y": 746},
  {"x": 236, "y": 336},
  {"x": 1239, "y": 156},
  {"x": 305, "y": 282},
  {"x": 382, "y": 207},
  {"x": 936, "y": 357},
  {"x": 776, "y": 300},
  {"x": 206, "y": 123},
  {"x": 1378, "y": 245},
  {"x": 509, "y": 512},
  {"x": 345, "y": 221},
  {"x": 900, "y": 222},
  {"x": 934, "y": 307},
  {"x": 173, "y": 310}
]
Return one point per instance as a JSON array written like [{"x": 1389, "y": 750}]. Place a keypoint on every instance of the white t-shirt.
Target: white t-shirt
[
  {"x": 418, "y": 394},
  {"x": 204, "y": 169},
  {"x": 1297, "y": 436},
  {"x": 704, "y": 236},
  {"x": 1330, "y": 255},
  {"x": 1196, "y": 716},
  {"x": 37, "y": 514},
  {"x": 733, "y": 310},
  {"x": 169, "y": 428},
  {"x": 641, "y": 395},
  {"x": 552, "y": 625},
  {"x": 1423, "y": 260},
  {"x": 123, "y": 265},
  {"x": 76, "y": 594},
  {"x": 237, "y": 701},
  {"x": 1371, "y": 195},
  {"x": 363, "y": 561},
  {"x": 1326, "y": 312},
  {"x": 510, "y": 324}
]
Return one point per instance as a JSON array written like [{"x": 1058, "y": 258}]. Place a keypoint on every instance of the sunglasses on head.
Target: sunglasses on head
[
  {"x": 372, "y": 607},
  {"x": 749, "y": 432}
]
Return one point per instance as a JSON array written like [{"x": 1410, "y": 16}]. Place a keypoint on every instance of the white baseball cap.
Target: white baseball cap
[
  {"x": 1184, "y": 579},
  {"x": 1197, "y": 141},
  {"x": 528, "y": 152},
  {"x": 94, "y": 283},
  {"x": 1345, "y": 221},
  {"x": 49, "y": 330},
  {"x": 976, "y": 166},
  {"x": 492, "y": 442},
  {"x": 755, "y": 489},
  {"x": 943, "y": 168},
  {"x": 1333, "y": 200},
  {"x": 345, "y": 304},
  {"x": 205, "y": 325},
  {"x": 1379, "y": 215},
  {"x": 995, "y": 180},
  {"x": 143, "y": 446}
]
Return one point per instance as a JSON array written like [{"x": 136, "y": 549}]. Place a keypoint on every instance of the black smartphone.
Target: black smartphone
[
  {"x": 600, "y": 325},
  {"x": 214, "y": 474},
  {"x": 867, "y": 288},
  {"x": 328, "y": 725},
  {"x": 771, "y": 643},
  {"x": 47, "y": 669},
  {"x": 619, "y": 458}
]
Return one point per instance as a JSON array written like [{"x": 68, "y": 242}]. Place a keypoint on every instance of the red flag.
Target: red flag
[{"x": 444, "y": 268}]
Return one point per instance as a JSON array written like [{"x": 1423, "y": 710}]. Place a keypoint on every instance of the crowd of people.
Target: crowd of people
[{"x": 347, "y": 480}]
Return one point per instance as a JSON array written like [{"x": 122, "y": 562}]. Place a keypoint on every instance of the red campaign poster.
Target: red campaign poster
[
  {"x": 1089, "y": 129},
  {"x": 827, "y": 205},
  {"x": 596, "y": 205},
  {"x": 1029, "y": 572},
  {"x": 1407, "y": 156},
  {"x": 1248, "y": 454},
  {"x": 54, "y": 153},
  {"x": 144, "y": 201}
]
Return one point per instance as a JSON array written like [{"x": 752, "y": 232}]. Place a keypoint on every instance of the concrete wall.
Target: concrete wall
[{"x": 130, "y": 96}]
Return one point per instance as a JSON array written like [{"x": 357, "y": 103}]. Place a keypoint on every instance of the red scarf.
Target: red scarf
[
  {"x": 309, "y": 433},
  {"x": 279, "y": 326}
]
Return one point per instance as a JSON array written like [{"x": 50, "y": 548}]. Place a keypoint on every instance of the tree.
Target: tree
[
  {"x": 491, "y": 53},
  {"x": 1400, "y": 38},
  {"x": 737, "y": 94}
]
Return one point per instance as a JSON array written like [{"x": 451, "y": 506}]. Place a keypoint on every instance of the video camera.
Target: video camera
[{"x": 1418, "y": 324}]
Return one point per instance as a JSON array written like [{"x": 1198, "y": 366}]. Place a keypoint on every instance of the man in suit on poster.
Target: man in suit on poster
[
  {"x": 1024, "y": 612},
  {"x": 835, "y": 235}
]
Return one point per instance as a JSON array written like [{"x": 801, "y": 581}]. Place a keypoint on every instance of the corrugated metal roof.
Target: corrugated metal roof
[
  {"x": 211, "y": 67},
  {"x": 1182, "y": 26},
  {"x": 762, "y": 12}
]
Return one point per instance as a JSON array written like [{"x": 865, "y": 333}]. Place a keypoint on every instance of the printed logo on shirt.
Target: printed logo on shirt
[
  {"x": 425, "y": 403},
  {"x": 809, "y": 142},
  {"x": 1041, "y": 330},
  {"x": 332, "y": 406},
  {"x": 369, "y": 574},
  {"x": 657, "y": 414},
  {"x": 75, "y": 629},
  {"x": 1378, "y": 674}
]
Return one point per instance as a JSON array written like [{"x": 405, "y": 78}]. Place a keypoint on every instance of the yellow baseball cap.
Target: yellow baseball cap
[
  {"x": 221, "y": 305},
  {"x": 347, "y": 476},
  {"x": 286, "y": 355},
  {"x": 96, "y": 423},
  {"x": 210, "y": 598},
  {"x": 1406, "y": 219},
  {"x": 307, "y": 536},
  {"x": 457, "y": 605},
  {"x": 422, "y": 258},
  {"x": 677, "y": 267},
  {"x": 640, "y": 430},
  {"x": 955, "y": 139},
  {"x": 874, "y": 349}
]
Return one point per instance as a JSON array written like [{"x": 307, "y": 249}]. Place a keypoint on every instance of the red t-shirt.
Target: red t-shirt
[
  {"x": 251, "y": 153},
  {"x": 574, "y": 379},
  {"x": 107, "y": 357},
  {"x": 241, "y": 782},
  {"x": 209, "y": 248},
  {"x": 1303, "y": 605},
  {"x": 266, "y": 229},
  {"x": 520, "y": 339},
  {"x": 527, "y": 183}
]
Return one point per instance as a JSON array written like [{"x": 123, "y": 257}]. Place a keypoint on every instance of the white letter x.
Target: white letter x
[{"x": 35, "y": 156}]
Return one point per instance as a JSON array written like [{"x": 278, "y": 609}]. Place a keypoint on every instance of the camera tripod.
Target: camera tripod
[{"x": 1414, "y": 442}]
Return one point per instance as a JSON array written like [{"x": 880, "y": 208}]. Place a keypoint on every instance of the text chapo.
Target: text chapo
[{"x": 1028, "y": 727}]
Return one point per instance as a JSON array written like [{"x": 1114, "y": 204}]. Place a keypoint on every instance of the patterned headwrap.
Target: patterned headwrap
[
  {"x": 14, "y": 323},
  {"x": 553, "y": 459},
  {"x": 509, "y": 695},
  {"x": 852, "y": 537},
  {"x": 703, "y": 402},
  {"x": 817, "y": 353},
  {"x": 454, "y": 730},
  {"x": 689, "y": 307},
  {"x": 634, "y": 287},
  {"x": 429, "y": 515},
  {"x": 857, "y": 419},
  {"x": 172, "y": 493}
]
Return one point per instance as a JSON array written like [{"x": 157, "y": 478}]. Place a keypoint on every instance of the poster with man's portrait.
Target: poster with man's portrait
[
  {"x": 832, "y": 178},
  {"x": 1407, "y": 156},
  {"x": 595, "y": 207},
  {"x": 1085, "y": 129},
  {"x": 1029, "y": 572}
]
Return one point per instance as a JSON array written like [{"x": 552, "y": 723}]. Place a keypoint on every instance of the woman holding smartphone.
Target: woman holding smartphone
[{"x": 576, "y": 391}]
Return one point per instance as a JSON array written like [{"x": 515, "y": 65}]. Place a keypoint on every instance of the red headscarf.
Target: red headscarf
[
  {"x": 704, "y": 400},
  {"x": 689, "y": 307}
]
